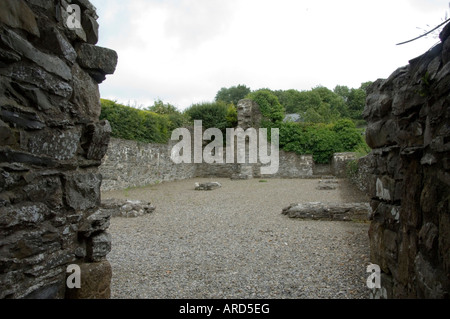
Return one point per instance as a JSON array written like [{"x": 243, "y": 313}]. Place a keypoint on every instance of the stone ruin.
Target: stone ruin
[
  {"x": 408, "y": 118},
  {"x": 51, "y": 144},
  {"x": 329, "y": 211},
  {"x": 126, "y": 208}
]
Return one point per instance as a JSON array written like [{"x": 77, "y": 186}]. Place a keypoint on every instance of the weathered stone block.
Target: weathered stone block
[
  {"x": 90, "y": 26},
  {"x": 61, "y": 145},
  {"x": 60, "y": 45},
  {"x": 82, "y": 191},
  {"x": 324, "y": 211},
  {"x": 6, "y": 135},
  {"x": 249, "y": 114},
  {"x": 207, "y": 186},
  {"x": 11, "y": 156},
  {"x": 431, "y": 282},
  {"x": 97, "y": 136},
  {"x": 95, "y": 282},
  {"x": 390, "y": 248},
  {"x": 17, "y": 14},
  {"x": 48, "y": 62},
  {"x": 75, "y": 34},
  {"x": 24, "y": 214},
  {"x": 35, "y": 75},
  {"x": 86, "y": 97},
  {"x": 99, "y": 246},
  {"x": 21, "y": 119},
  {"x": 47, "y": 190},
  {"x": 126, "y": 208},
  {"x": 100, "y": 60},
  {"x": 96, "y": 223},
  {"x": 339, "y": 163}
]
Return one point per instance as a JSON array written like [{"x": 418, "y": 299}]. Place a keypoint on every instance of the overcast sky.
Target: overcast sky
[{"x": 184, "y": 51}]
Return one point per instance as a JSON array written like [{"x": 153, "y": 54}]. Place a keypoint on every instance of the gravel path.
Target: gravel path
[{"x": 234, "y": 243}]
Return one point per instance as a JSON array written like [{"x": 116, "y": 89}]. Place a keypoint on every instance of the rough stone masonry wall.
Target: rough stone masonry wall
[
  {"x": 51, "y": 144},
  {"x": 408, "y": 118},
  {"x": 134, "y": 164}
]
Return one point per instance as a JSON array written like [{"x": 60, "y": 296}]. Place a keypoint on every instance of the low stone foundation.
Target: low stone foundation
[{"x": 325, "y": 211}]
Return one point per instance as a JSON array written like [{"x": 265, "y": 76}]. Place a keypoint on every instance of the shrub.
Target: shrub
[
  {"x": 232, "y": 116},
  {"x": 132, "y": 124},
  {"x": 320, "y": 140},
  {"x": 213, "y": 114},
  {"x": 269, "y": 105}
]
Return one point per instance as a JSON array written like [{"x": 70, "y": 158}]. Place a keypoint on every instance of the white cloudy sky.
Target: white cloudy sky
[{"x": 184, "y": 51}]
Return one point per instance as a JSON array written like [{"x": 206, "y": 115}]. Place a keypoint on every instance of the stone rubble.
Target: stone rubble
[
  {"x": 207, "y": 186},
  {"x": 127, "y": 208}
]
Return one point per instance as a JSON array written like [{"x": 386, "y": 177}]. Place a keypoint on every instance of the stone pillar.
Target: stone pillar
[
  {"x": 339, "y": 163},
  {"x": 249, "y": 116},
  {"x": 51, "y": 144},
  {"x": 408, "y": 118}
]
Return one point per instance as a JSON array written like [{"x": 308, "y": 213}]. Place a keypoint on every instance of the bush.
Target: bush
[
  {"x": 269, "y": 105},
  {"x": 213, "y": 114},
  {"x": 320, "y": 140},
  {"x": 232, "y": 116},
  {"x": 132, "y": 124}
]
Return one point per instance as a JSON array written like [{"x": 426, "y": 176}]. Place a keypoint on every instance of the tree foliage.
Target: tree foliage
[
  {"x": 269, "y": 105},
  {"x": 132, "y": 124},
  {"x": 176, "y": 118},
  {"x": 213, "y": 114},
  {"x": 233, "y": 94},
  {"x": 319, "y": 139}
]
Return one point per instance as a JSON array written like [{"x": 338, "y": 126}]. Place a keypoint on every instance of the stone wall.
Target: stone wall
[
  {"x": 51, "y": 144},
  {"x": 360, "y": 173},
  {"x": 134, "y": 164},
  {"x": 408, "y": 118},
  {"x": 339, "y": 163}
]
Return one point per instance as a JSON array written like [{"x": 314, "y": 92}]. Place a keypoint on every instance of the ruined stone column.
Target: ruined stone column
[
  {"x": 51, "y": 144},
  {"x": 408, "y": 118}
]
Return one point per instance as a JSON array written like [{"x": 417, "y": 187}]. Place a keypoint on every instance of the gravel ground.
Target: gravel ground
[{"x": 233, "y": 243}]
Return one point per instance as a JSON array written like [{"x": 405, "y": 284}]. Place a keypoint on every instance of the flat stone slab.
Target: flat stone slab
[
  {"x": 241, "y": 177},
  {"x": 127, "y": 208},
  {"x": 207, "y": 186},
  {"x": 327, "y": 211},
  {"x": 328, "y": 184}
]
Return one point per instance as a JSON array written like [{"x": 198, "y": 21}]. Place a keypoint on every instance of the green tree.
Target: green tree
[
  {"x": 232, "y": 116},
  {"x": 213, "y": 114},
  {"x": 311, "y": 116},
  {"x": 269, "y": 105},
  {"x": 365, "y": 85},
  {"x": 233, "y": 94},
  {"x": 176, "y": 118},
  {"x": 356, "y": 103},
  {"x": 290, "y": 100},
  {"x": 348, "y": 137},
  {"x": 162, "y": 108}
]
